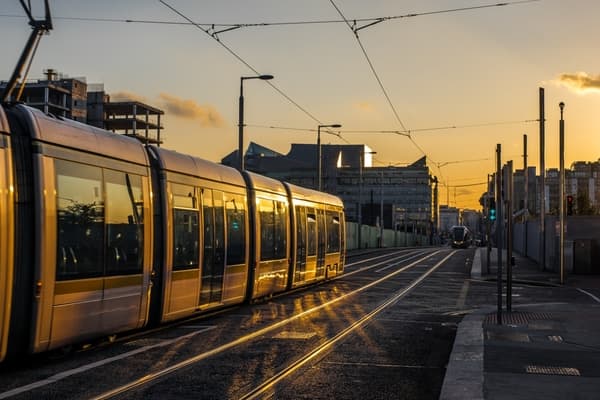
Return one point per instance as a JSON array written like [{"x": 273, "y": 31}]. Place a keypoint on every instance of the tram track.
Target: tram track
[
  {"x": 149, "y": 379},
  {"x": 375, "y": 264},
  {"x": 308, "y": 357}
]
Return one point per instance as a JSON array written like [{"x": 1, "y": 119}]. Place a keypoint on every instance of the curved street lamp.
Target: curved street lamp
[
  {"x": 241, "y": 117},
  {"x": 319, "y": 149}
]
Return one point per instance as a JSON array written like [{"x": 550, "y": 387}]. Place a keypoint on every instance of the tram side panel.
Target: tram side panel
[
  {"x": 6, "y": 233},
  {"x": 205, "y": 259},
  {"x": 270, "y": 256},
  {"x": 93, "y": 232}
]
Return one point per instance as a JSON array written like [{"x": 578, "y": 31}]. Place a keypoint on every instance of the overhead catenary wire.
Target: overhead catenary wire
[
  {"x": 240, "y": 59},
  {"x": 367, "y": 21},
  {"x": 285, "y": 128},
  {"x": 378, "y": 79}
]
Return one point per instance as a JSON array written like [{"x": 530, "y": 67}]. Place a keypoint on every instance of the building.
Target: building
[
  {"x": 57, "y": 95},
  {"x": 131, "y": 118},
  {"x": 582, "y": 184},
  {"x": 70, "y": 98},
  {"x": 392, "y": 196}
]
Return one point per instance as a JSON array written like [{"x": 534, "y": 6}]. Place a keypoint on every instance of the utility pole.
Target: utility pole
[
  {"x": 542, "y": 184},
  {"x": 526, "y": 192},
  {"x": 562, "y": 193},
  {"x": 488, "y": 225},
  {"x": 508, "y": 188}
]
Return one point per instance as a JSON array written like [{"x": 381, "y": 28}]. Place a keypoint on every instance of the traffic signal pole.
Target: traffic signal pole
[{"x": 499, "y": 230}]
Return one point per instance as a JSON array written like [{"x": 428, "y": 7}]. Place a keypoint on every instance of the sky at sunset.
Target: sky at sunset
[{"x": 451, "y": 84}]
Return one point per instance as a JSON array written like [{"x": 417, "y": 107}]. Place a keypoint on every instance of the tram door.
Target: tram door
[
  {"x": 300, "y": 244},
  {"x": 321, "y": 237},
  {"x": 213, "y": 262}
]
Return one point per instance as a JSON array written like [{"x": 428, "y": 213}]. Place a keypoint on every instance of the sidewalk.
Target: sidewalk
[{"x": 548, "y": 347}]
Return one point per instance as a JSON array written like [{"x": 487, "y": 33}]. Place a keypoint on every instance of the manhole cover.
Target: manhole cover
[{"x": 546, "y": 370}]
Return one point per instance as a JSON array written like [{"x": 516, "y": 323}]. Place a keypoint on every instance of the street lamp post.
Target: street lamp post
[
  {"x": 319, "y": 150},
  {"x": 561, "y": 185},
  {"x": 241, "y": 117}
]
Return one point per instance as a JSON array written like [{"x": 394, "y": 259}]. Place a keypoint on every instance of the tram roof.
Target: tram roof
[
  {"x": 300, "y": 192},
  {"x": 194, "y": 166},
  {"x": 82, "y": 137}
]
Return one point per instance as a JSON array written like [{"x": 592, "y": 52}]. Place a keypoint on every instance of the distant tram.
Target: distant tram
[{"x": 460, "y": 237}]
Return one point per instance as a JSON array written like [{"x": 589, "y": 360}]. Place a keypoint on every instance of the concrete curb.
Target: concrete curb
[
  {"x": 476, "y": 267},
  {"x": 464, "y": 373}
]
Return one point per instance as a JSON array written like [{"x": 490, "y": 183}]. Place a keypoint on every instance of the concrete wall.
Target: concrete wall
[
  {"x": 370, "y": 237},
  {"x": 580, "y": 230}
]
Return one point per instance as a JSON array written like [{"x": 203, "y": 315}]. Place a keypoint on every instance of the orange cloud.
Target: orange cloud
[
  {"x": 127, "y": 96},
  {"x": 186, "y": 108},
  {"x": 580, "y": 81}
]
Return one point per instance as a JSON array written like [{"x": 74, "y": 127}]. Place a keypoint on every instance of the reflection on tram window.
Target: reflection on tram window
[
  {"x": 311, "y": 248},
  {"x": 80, "y": 212},
  {"x": 124, "y": 223},
  {"x": 185, "y": 239},
  {"x": 236, "y": 228},
  {"x": 273, "y": 230},
  {"x": 100, "y": 225},
  {"x": 333, "y": 232},
  {"x": 186, "y": 230}
]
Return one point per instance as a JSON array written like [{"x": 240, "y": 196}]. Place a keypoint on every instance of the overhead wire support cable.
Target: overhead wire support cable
[
  {"x": 371, "y": 66},
  {"x": 240, "y": 59}
]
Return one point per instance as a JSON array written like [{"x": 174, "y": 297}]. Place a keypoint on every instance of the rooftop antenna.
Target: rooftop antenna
[{"x": 39, "y": 28}]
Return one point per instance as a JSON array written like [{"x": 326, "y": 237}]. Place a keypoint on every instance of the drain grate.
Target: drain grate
[
  {"x": 546, "y": 370},
  {"x": 510, "y": 336},
  {"x": 555, "y": 338},
  {"x": 518, "y": 318}
]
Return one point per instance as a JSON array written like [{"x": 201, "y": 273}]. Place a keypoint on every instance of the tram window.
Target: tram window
[
  {"x": 209, "y": 222},
  {"x": 273, "y": 230},
  {"x": 333, "y": 232},
  {"x": 80, "y": 220},
  {"x": 236, "y": 229},
  {"x": 184, "y": 196},
  {"x": 185, "y": 239},
  {"x": 312, "y": 234},
  {"x": 186, "y": 233},
  {"x": 219, "y": 228},
  {"x": 124, "y": 223}
]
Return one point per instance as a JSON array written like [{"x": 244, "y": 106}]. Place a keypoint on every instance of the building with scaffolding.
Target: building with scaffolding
[
  {"x": 57, "y": 95},
  {"x": 74, "y": 99}
]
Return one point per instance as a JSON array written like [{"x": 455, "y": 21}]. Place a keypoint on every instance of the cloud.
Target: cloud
[
  {"x": 127, "y": 96},
  {"x": 186, "y": 108},
  {"x": 580, "y": 81}
]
